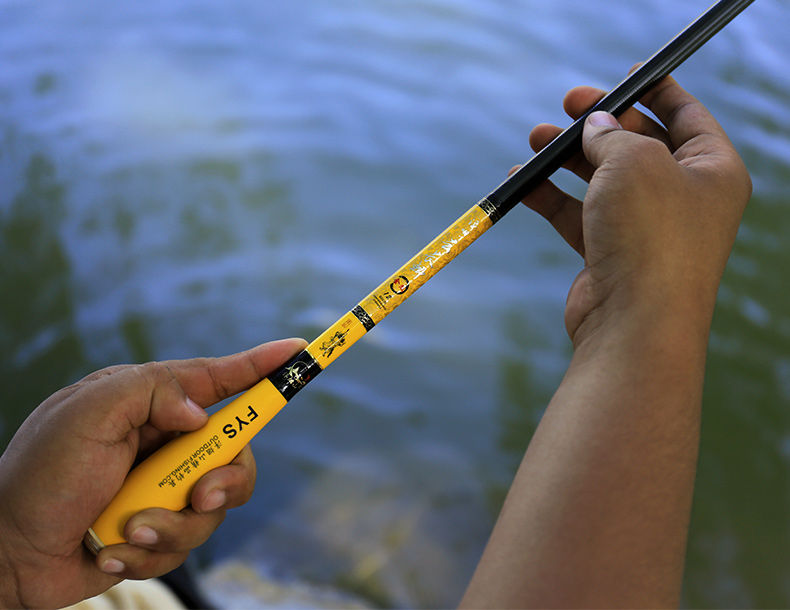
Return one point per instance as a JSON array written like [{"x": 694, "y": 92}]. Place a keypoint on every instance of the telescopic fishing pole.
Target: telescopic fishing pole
[{"x": 166, "y": 478}]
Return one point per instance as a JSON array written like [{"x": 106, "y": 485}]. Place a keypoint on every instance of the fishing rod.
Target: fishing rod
[{"x": 166, "y": 478}]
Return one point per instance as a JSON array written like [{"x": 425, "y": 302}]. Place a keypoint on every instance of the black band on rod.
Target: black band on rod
[
  {"x": 294, "y": 374},
  {"x": 627, "y": 93},
  {"x": 493, "y": 212},
  {"x": 363, "y": 317}
]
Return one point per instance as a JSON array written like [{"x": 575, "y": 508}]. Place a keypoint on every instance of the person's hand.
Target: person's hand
[
  {"x": 661, "y": 212},
  {"x": 71, "y": 455}
]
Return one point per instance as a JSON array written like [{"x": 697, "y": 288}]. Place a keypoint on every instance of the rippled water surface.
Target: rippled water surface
[{"x": 192, "y": 178}]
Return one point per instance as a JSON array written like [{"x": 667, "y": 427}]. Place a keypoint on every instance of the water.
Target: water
[{"x": 192, "y": 178}]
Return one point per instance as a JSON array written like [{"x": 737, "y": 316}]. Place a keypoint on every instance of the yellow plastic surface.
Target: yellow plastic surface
[{"x": 166, "y": 478}]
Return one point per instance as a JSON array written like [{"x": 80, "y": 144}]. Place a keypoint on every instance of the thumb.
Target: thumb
[{"x": 597, "y": 140}]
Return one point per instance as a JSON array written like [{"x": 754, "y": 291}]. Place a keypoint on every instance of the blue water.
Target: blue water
[{"x": 192, "y": 178}]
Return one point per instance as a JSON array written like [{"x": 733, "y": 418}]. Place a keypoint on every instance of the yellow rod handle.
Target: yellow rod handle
[{"x": 166, "y": 478}]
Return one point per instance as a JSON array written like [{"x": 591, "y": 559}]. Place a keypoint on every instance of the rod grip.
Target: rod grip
[{"x": 166, "y": 478}]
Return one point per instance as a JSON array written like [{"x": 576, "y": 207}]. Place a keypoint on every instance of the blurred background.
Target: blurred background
[{"x": 185, "y": 178}]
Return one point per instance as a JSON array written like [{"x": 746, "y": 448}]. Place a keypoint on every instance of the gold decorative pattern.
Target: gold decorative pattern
[
  {"x": 336, "y": 339},
  {"x": 421, "y": 267}
]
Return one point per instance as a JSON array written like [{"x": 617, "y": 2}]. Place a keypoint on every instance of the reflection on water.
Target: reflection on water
[
  {"x": 38, "y": 338},
  {"x": 743, "y": 494},
  {"x": 191, "y": 178}
]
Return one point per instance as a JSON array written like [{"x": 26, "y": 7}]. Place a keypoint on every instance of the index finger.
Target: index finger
[{"x": 683, "y": 115}]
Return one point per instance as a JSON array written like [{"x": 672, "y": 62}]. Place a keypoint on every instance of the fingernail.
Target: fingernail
[
  {"x": 195, "y": 407},
  {"x": 603, "y": 119},
  {"x": 144, "y": 535},
  {"x": 112, "y": 566},
  {"x": 214, "y": 499}
]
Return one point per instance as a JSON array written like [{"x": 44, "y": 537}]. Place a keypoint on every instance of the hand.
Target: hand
[
  {"x": 72, "y": 454},
  {"x": 661, "y": 212}
]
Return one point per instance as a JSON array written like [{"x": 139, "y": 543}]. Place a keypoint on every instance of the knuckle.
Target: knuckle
[
  {"x": 248, "y": 475},
  {"x": 152, "y": 372},
  {"x": 648, "y": 149},
  {"x": 748, "y": 186},
  {"x": 220, "y": 387},
  {"x": 201, "y": 530},
  {"x": 192, "y": 532},
  {"x": 158, "y": 373},
  {"x": 246, "y": 492},
  {"x": 745, "y": 184},
  {"x": 155, "y": 564},
  {"x": 98, "y": 374},
  {"x": 734, "y": 178},
  {"x": 149, "y": 368},
  {"x": 648, "y": 157}
]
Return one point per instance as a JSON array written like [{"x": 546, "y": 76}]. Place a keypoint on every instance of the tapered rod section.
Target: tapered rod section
[{"x": 623, "y": 96}]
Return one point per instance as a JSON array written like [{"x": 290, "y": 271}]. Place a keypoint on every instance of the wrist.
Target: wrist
[
  {"x": 642, "y": 365},
  {"x": 664, "y": 308},
  {"x": 655, "y": 330}
]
